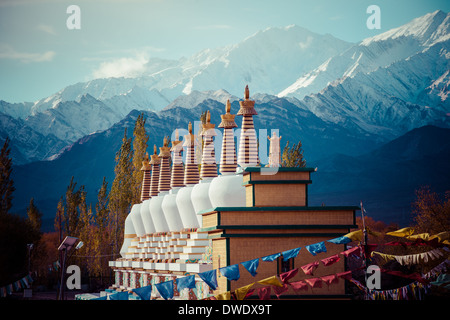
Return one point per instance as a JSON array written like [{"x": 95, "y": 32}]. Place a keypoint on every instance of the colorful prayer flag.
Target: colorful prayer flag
[
  {"x": 251, "y": 266},
  {"x": 316, "y": 248},
  {"x": 165, "y": 289},
  {"x": 288, "y": 254},
  {"x": 230, "y": 272},
  {"x": 210, "y": 278},
  {"x": 271, "y": 257},
  {"x": 144, "y": 292},
  {"x": 186, "y": 282}
]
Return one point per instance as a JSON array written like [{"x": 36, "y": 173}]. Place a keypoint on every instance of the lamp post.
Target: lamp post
[
  {"x": 29, "y": 247},
  {"x": 65, "y": 247}
]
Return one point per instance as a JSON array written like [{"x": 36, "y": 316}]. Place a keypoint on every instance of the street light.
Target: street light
[{"x": 66, "y": 246}]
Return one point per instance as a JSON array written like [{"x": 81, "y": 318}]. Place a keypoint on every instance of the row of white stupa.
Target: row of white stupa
[{"x": 166, "y": 226}]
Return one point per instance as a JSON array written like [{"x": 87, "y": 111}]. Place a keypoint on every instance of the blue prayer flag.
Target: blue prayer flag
[
  {"x": 186, "y": 282},
  {"x": 165, "y": 289},
  {"x": 271, "y": 257},
  {"x": 119, "y": 296},
  {"x": 340, "y": 240},
  {"x": 144, "y": 292},
  {"x": 316, "y": 248},
  {"x": 251, "y": 266},
  {"x": 210, "y": 278},
  {"x": 231, "y": 272},
  {"x": 290, "y": 253}
]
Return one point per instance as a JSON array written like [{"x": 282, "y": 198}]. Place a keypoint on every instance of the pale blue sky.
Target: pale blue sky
[{"x": 39, "y": 55}]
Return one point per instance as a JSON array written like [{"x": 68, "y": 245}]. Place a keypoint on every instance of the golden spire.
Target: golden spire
[
  {"x": 248, "y": 145},
  {"x": 164, "y": 151},
  {"x": 247, "y": 106},
  {"x": 189, "y": 139},
  {"x": 155, "y": 158},
  {"x": 145, "y": 163},
  {"x": 176, "y": 142},
  {"x": 208, "y": 127},
  {"x": 227, "y": 118}
]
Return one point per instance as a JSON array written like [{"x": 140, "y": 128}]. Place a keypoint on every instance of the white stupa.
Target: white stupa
[
  {"x": 191, "y": 178},
  {"x": 169, "y": 204},
  {"x": 227, "y": 190},
  {"x": 157, "y": 193},
  {"x": 145, "y": 196}
]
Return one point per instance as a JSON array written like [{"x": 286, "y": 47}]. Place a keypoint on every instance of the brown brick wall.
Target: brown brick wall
[
  {"x": 256, "y": 176},
  {"x": 288, "y": 217},
  {"x": 267, "y": 195}
]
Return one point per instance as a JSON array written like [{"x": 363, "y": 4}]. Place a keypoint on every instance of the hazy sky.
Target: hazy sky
[{"x": 39, "y": 55}]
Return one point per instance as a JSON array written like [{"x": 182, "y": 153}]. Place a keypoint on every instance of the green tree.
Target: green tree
[
  {"x": 140, "y": 140},
  {"x": 121, "y": 195},
  {"x": 73, "y": 205},
  {"x": 34, "y": 216},
  {"x": 102, "y": 235},
  {"x": 16, "y": 232},
  {"x": 293, "y": 157},
  {"x": 101, "y": 209},
  {"x": 68, "y": 210},
  {"x": 59, "y": 217},
  {"x": 6, "y": 182},
  {"x": 430, "y": 211}
]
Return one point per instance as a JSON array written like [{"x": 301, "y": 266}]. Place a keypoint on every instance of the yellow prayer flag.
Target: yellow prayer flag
[
  {"x": 271, "y": 281},
  {"x": 443, "y": 237},
  {"x": 355, "y": 235},
  {"x": 424, "y": 236},
  {"x": 223, "y": 296},
  {"x": 385, "y": 256},
  {"x": 405, "y": 232},
  {"x": 241, "y": 292}
]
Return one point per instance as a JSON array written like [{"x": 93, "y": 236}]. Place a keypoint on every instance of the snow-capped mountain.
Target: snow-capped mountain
[
  {"x": 267, "y": 61},
  {"x": 27, "y": 144},
  {"x": 194, "y": 98},
  {"x": 381, "y": 87},
  {"x": 374, "y": 52},
  {"x": 390, "y": 100}
]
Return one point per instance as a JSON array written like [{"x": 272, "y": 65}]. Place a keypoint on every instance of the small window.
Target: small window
[{"x": 285, "y": 266}]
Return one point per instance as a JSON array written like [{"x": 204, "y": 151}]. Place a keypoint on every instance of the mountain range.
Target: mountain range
[{"x": 344, "y": 101}]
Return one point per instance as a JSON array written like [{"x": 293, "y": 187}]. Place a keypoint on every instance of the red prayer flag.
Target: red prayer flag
[
  {"x": 288, "y": 275},
  {"x": 309, "y": 268},
  {"x": 345, "y": 275},
  {"x": 280, "y": 290},
  {"x": 298, "y": 285},
  {"x": 354, "y": 250},
  {"x": 314, "y": 282},
  {"x": 332, "y": 278},
  {"x": 330, "y": 260},
  {"x": 264, "y": 293}
]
